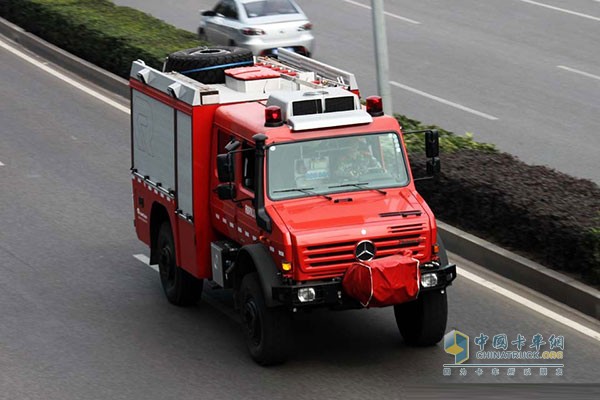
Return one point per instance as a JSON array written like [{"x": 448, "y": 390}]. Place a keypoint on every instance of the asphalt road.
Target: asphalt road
[
  {"x": 524, "y": 75},
  {"x": 81, "y": 317}
]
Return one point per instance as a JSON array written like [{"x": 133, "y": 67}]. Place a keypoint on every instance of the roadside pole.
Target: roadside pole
[{"x": 381, "y": 56}]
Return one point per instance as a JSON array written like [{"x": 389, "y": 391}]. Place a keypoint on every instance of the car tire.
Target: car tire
[
  {"x": 181, "y": 288},
  {"x": 267, "y": 330},
  {"x": 422, "y": 322},
  {"x": 195, "y": 63}
]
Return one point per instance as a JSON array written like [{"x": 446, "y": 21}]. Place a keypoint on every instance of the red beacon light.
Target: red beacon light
[
  {"x": 375, "y": 106},
  {"x": 273, "y": 117}
]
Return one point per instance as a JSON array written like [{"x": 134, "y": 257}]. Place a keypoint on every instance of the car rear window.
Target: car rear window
[{"x": 263, "y": 8}]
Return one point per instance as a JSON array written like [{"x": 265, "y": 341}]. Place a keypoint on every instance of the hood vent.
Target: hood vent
[{"x": 403, "y": 214}]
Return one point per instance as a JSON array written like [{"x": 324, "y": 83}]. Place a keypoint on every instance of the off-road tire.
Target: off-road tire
[
  {"x": 267, "y": 330},
  {"x": 189, "y": 60},
  {"x": 422, "y": 322},
  {"x": 181, "y": 288}
]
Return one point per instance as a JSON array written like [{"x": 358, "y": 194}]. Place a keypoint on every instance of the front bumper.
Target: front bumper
[
  {"x": 331, "y": 294},
  {"x": 445, "y": 276}
]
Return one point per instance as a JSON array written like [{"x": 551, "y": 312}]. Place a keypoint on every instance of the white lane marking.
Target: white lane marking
[
  {"x": 1, "y": 164},
  {"x": 578, "y": 71},
  {"x": 389, "y": 14},
  {"x": 528, "y": 303},
  {"x": 535, "y": 3},
  {"x": 444, "y": 101},
  {"x": 144, "y": 258},
  {"x": 63, "y": 77}
]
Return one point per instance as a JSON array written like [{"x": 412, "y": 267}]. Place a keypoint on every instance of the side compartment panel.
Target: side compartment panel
[
  {"x": 153, "y": 139},
  {"x": 185, "y": 209},
  {"x": 184, "y": 164}
]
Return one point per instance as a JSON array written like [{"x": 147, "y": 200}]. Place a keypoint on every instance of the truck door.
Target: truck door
[
  {"x": 223, "y": 211},
  {"x": 247, "y": 231}
]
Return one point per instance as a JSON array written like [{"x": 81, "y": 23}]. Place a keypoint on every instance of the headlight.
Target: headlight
[
  {"x": 306, "y": 294},
  {"x": 429, "y": 280}
]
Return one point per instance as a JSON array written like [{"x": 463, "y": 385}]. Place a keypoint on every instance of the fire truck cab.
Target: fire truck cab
[{"x": 277, "y": 184}]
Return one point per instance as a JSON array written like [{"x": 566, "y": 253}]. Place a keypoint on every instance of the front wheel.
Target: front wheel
[
  {"x": 267, "y": 330},
  {"x": 422, "y": 322},
  {"x": 181, "y": 288}
]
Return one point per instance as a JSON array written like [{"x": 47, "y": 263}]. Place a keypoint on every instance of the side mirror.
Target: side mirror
[
  {"x": 434, "y": 166},
  {"x": 225, "y": 167},
  {"x": 226, "y": 191},
  {"x": 432, "y": 144},
  {"x": 208, "y": 13},
  {"x": 432, "y": 151}
]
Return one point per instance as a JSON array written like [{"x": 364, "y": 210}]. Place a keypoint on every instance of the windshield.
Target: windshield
[
  {"x": 332, "y": 165},
  {"x": 264, "y": 8}
]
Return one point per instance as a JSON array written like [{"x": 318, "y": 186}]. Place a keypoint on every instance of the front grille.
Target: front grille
[{"x": 327, "y": 259}]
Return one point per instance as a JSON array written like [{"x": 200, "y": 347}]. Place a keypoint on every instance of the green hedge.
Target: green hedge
[
  {"x": 99, "y": 31},
  {"x": 538, "y": 212},
  {"x": 543, "y": 214}
]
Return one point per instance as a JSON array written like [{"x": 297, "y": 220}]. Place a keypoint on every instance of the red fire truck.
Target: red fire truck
[{"x": 269, "y": 178}]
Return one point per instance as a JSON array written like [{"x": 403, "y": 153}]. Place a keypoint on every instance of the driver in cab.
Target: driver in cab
[{"x": 356, "y": 161}]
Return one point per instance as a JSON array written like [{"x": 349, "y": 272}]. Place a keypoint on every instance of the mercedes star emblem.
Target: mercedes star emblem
[{"x": 365, "y": 251}]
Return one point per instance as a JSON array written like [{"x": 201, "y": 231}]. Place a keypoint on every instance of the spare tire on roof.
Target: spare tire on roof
[{"x": 206, "y": 64}]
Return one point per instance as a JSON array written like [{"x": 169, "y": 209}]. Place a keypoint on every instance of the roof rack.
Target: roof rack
[{"x": 326, "y": 73}]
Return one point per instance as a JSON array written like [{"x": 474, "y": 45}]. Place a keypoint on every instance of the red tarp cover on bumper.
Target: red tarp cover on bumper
[{"x": 384, "y": 281}]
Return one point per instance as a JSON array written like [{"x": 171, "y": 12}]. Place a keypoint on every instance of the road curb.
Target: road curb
[
  {"x": 68, "y": 61},
  {"x": 521, "y": 270},
  {"x": 503, "y": 262}
]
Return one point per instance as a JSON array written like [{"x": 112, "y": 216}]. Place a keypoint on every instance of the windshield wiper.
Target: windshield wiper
[
  {"x": 303, "y": 190},
  {"x": 360, "y": 185}
]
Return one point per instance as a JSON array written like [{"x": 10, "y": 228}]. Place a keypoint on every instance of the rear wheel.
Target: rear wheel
[
  {"x": 267, "y": 330},
  {"x": 181, "y": 288},
  {"x": 422, "y": 322},
  {"x": 202, "y": 63}
]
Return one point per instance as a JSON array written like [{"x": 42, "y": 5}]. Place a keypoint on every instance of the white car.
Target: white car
[{"x": 259, "y": 25}]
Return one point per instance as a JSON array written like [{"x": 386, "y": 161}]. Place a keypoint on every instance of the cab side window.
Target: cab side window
[{"x": 248, "y": 157}]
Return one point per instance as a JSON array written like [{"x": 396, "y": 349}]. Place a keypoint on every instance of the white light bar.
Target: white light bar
[{"x": 329, "y": 120}]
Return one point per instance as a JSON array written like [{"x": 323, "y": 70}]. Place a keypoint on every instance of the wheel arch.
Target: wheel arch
[
  {"x": 158, "y": 215},
  {"x": 256, "y": 257}
]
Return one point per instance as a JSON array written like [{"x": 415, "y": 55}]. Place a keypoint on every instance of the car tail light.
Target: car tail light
[
  {"x": 375, "y": 106},
  {"x": 306, "y": 27},
  {"x": 252, "y": 31},
  {"x": 273, "y": 117}
]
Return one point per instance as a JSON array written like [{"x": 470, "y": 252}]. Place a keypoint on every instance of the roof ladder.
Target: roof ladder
[{"x": 323, "y": 70}]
